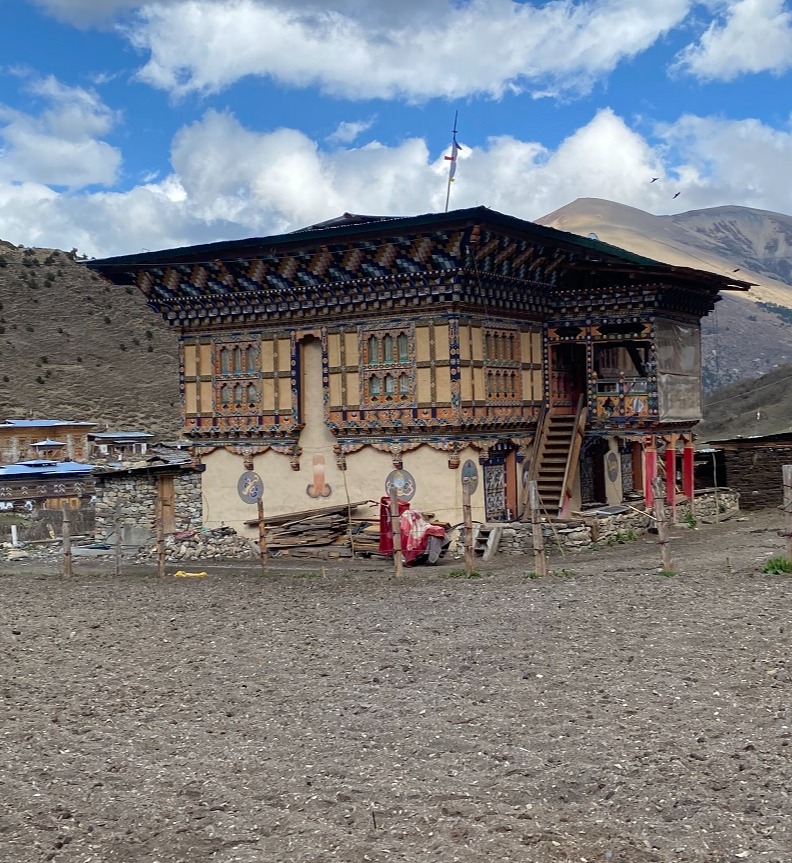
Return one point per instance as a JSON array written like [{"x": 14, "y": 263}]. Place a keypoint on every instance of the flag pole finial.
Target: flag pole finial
[{"x": 452, "y": 159}]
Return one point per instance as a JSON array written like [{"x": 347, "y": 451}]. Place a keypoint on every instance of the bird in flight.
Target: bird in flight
[
  {"x": 677, "y": 194},
  {"x": 654, "y": 180},
  {"x": 736, "y": 270}
]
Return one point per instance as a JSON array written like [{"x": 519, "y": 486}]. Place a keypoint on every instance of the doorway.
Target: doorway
[{"x": 567, "y": 376}]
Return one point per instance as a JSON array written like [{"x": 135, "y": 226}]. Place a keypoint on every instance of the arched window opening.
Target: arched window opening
[
  {"x": 390, "y": 385},
  {"x": 404, "y": 385},
  {"x": 252, "y": 395},
  {"x": 238, "y": 394},
  {"x": 237, "y": 360},
  {"x": 250, "y": 358},
  {"x": 387, "y": 349},
  {"x": 373, "y": 350},
  {"x": 375, "y": 386},
  {"x": 225, "y": 361},
  {"x": 402, "y": 348}
]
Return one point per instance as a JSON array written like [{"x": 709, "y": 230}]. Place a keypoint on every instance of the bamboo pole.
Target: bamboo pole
[
  {"x": 467, "y": 517},
  {"x": 396, "y": 532},
  {"x": 662, "y": 524},
  {"x": 787, "y": 475},
  {"x": 534, "y": 503},
  {"x": 67, "y": 552}
]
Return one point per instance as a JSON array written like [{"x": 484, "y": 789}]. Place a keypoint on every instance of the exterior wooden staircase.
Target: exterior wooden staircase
[{"x": 556, "y": 459}]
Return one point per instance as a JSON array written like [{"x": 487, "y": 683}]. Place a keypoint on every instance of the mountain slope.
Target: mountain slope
[
  {"x": 748, "y": 334},
  {"x": 74, "y": 347}
]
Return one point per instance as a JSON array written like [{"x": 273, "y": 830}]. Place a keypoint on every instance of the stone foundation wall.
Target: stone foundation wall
[
  {"x": 516, "y": 538},
  {"x": 132, "y": 500}
]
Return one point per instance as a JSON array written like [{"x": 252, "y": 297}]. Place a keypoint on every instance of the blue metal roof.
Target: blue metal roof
[
  {"x": 41, "y": 423},
  {"x": 41, "y": 467}
]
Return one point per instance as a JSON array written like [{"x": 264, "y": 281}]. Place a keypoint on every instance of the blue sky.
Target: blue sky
[{"x": 127, "y": 126}]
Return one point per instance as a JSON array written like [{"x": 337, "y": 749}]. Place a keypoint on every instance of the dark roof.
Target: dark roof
[{"x": 351, "y": 226}]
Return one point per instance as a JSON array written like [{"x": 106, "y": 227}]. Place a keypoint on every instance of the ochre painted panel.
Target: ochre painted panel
[
  {"x": 478, "y": 383},
  {"x": 334, "y": 351},
  {"x": 537, "y": 388},
  {"x": 268, "y": 395},
  {"x": 351, "y": 348},
  {"x": 189, "y": 360},
  {"x": 353, "y": 388},
  {"x": 422, "y": 344},
  {"x": 464, "y": 342},
  {"x": 206, "y": 397},
  {"x": 267, "y": 349},
  {"x": 284, "y": 355},
  {"x": 424, "y": 386},
  {"x": 525, "y": 347},
  {"x": 443, "y": 385},
  {"x": 205, "y": 358},
  {"x": 441, "y": 342},
  {"x": 466, "y": 381},
  {"x": 478, "y": 345},
  {"x": 536, "y": 348},
  {"x": 190, "y": 397},
  {"x": 335, "y": 390}
]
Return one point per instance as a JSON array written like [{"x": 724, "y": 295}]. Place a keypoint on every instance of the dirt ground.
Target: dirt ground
[{"x": 332, "y": 713}]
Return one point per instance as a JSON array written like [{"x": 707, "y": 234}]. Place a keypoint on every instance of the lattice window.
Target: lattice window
[
  {"x": 237, "y": 378},
  {"x": 388, "y": 367},
  {"x": 502, "y": 364}
]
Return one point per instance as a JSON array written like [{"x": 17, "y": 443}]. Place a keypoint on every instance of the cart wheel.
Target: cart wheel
[{"x": 434, "y": 548}]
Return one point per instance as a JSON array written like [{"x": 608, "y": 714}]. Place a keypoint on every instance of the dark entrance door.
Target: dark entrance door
[{"x": 567, "y": 374}]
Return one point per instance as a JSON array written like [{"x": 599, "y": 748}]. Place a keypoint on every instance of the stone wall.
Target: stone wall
[
  {"x": 756, "y": 473},
  {"x": 516, "y": 538},
  {"x": 130, "y": 499}
]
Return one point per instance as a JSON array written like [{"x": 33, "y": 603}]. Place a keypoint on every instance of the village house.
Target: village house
[
  {"x": 23, "y": 439},
  {"x": 329, "y": 356}
]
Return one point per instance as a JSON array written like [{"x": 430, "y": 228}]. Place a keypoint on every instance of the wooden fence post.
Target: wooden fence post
[
  {"x": 787, "y": 475},
  {"x": 396, "y": 532},
  {"x": 662, "y": 524},
  {"x": 67, "y": 552},
  {"x": 534, "y": 503},
  {"x": 160, "y": 528},
  {"x": 262, "y": 532},
  {"x": 467, "y": 517}
]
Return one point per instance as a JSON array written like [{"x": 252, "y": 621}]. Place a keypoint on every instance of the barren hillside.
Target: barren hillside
[
  {"x": 74, "y": 347},
  {"x": 748, "y": 334}
]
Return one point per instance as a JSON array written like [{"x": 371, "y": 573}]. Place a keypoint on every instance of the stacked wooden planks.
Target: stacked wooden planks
[{"x": 310, "y": 529}]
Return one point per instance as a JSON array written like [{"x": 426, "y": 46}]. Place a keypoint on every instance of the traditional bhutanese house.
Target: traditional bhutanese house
[
  {"x": 45, "y": 484},
  {"x": 119, "y": 445},
  {"x": 33, "y": 438},
  {"x": 330, "y": 355}
]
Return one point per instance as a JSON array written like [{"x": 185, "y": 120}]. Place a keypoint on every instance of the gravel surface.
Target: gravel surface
[{"x": 320, "y": 713}]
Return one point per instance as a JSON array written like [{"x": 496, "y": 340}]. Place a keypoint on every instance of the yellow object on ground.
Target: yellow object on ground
[{"x": 182, "y": 574}]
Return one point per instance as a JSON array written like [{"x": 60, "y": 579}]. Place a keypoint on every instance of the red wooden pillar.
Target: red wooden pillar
[
  {"x": 670, "y": 468},
  {"x": 650, "y": 470},
  {"x": 688, "y": 481},
  {"x": 670, "y": 465}
]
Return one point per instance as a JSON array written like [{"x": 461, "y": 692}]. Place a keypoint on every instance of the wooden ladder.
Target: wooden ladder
[{"x": 556, "y": 455}]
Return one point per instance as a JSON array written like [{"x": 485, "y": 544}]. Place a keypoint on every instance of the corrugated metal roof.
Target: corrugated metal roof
[
  {"x": 41, "y": 423},
  {"x": 40, "y": 467}
]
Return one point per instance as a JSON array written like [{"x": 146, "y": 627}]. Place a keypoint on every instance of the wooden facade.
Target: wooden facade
[{"x": 457, "y": 334}]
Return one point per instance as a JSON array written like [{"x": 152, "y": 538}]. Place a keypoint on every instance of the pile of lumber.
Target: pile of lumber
[{"x": 312, "y": 529}]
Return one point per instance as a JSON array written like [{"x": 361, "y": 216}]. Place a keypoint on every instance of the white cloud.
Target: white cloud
[
  {"x": 229, "y": 182},
  {"x": 750, "y": 36},
  {"x": 86, "y": 12},
  {"x": 59, "y": 146},
  {"x": 347, "y": 131},
  {"x": 451, "y": 49}
]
